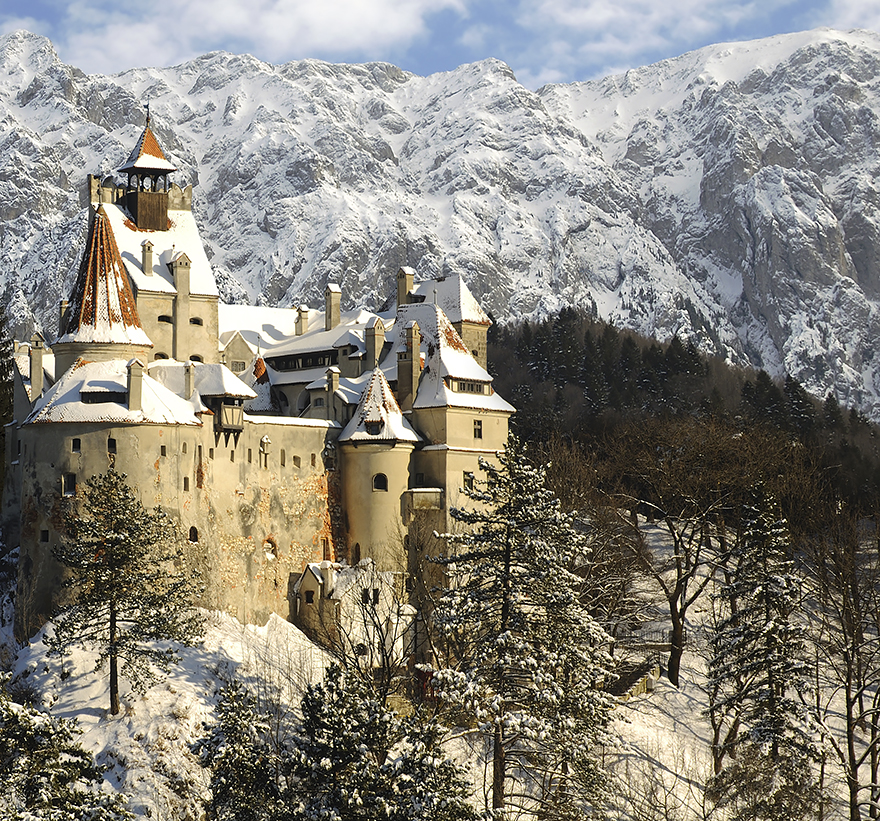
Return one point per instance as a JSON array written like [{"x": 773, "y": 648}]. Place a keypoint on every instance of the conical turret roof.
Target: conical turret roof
[
  {"x": 378, "y": 417},
  {"x": 147, "y": 155},
  {"x": 102, "y": 308}
]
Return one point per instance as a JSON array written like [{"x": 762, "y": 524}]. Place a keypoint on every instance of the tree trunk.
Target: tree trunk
[
  {"x": 114, "y": 674},
  {"x": 498, "y": 767},
  {"x": 676, "y": 649}
]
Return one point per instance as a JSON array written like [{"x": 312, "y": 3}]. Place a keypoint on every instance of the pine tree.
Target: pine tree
[
  {"x": 757, "y": 673},
  {"x": 130, "y": 586},
  {"x": 244, "y": 764},
  {"x": 352, "y": 758},
  {"x": 45, "y": 775},
  {"x": 524, "y": 657}
]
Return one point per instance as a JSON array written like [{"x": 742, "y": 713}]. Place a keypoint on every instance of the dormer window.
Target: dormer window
[
  {"x": 374, "y": 428},
  {"x": 468, "y": 386}
]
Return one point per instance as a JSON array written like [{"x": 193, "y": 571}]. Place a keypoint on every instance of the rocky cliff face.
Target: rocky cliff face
[{"x": 728, "y": 196}]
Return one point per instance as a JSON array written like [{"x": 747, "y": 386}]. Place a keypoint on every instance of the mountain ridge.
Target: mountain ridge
[{"x": 726, "y": 196}]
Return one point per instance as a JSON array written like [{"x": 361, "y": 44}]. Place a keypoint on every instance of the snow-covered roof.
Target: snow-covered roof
[
  {"x": 454, "y": 297},
  {"x": 259, "y": 326},
  {"x": 378, "y": 417},
  {"x": 22, "y": 361},
  {"x": 256, "y": 377},
  {"x": 147, "y": 155},
  {"x": 63, "y": 402},
  {"x": 182, "y": 235},
  {"x": 349, "y": 331},
  {"x": 446, "y": 360},
  {"x": 209, "y": 379},
  {"x": 102, "y": 308}
]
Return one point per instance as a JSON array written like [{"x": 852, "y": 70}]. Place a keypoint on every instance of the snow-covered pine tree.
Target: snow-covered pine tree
[
  {"x": 131, "y": 589},
  {"x": 757, "y": 673},
  {"x": 356, "y": 759},
  {"x": 45, "y": 775},
  {"x": 525, "y": 660},
  {"x": 246, "y": 769}
]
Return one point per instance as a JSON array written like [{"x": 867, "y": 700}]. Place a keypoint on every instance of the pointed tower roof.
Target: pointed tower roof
[
  {"x": 378, "y": 417},
  {"x": 102, "y": 308},
  {"x": 147, "y": 155}
]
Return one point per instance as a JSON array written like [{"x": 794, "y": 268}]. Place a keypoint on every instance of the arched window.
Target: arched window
[
  {"x": 195, "y": 320},
  {"x": 161, "y": 356},
  {"x": 380, "y": 482},
  {"x": 194, "y": 534},
  {"x": 166, "y": 319},
  {"x": 195, "y": 358}
]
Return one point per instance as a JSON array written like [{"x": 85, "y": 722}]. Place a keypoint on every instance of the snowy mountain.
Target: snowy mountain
[{"x": 728, "y": 195}]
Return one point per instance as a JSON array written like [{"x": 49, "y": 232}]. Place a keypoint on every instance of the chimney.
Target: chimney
[
  {"x": 147, "y": 257},
  {"x": 409, "y": 367},
  {"x": 302, "y": 320},
  {"x": 332, "y": 387},
  {"x": 327, "y": 577},
  {"x": 63, "y": 305},
  {"x": 188, "y": 380},
  {"x": 180, "y": 268},
  {"x": 36, "y": 371},
  {"x": 374, "y": 339},
  {"x": 332, "y": 299},
  {"x": 135, "y": 369},
  {"x": 405, "y": 278}
]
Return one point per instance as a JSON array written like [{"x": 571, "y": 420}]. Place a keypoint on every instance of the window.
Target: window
[
  {"x": 283, "y": 457},
  {"x": 468, "y": 480},
  {"x": 75, "y": 446},
  {"x": 200, "y": 452},
  {"x": 310, "y": 596},
  {"x": 365, "y": 596},
  {"x": 163, "y": 451},
  {"x": 166, "y": 319},
  {"x": 186, "y": 483},
  {"x": 161, "y": 356},
  {"x": 380, "y": 482},
  {"x": 469, "y": 387},
  {"x": 314, "y": 460},
  {"x": 374, "y": 428},
  {"x": 68, "y": 484},
  {"x": 183, "y": 448},
  {"x": 232, "y": 455},
  {"x": 194, "y": 534},
  {"x": 210, "y": 453},
  {"x": 237, "y": 366},
  {"x": 195, "y": 320},
  {"x": 103, "y": 397},
  {"x": 356, "y": 554},
  {"x": 319, "y": 402},
  {"x": 195, "y": 358},
  {"x": 44, "y": 535},
  {"x": 478, "y": 428},
  {"x": 297, "y": 462},
  {"x": 111, "y": 445},
  {"x": 250, "y": 455},
  {"x": 325, "y": 548},
  {"x": 420, "y": 480}
]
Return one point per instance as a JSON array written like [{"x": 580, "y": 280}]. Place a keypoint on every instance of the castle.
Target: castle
[{"x": 282, "y": 441}]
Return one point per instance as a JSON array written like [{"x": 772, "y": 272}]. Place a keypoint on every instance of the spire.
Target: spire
[
  {"x": 147, "y": 155},
  {"x": 102, "y": 308},
  {"x": 378, "y": 417}
]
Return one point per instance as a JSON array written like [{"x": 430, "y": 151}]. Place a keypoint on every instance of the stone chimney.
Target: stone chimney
[
  {"x": 188, "y": 379},
  {"x": 147, "y": 257},
  {"x": 36, "y": 369},
  {"x": 332, "y": 303},
  {"x": 135, "y": 369},
  {"x": 405, "y": 281},
  {"x": 327, "y": 577},
  {"x": 409, "y": 367},
  {"x": 374, "y": 339},
  {"x": 302, "y": 320},
  {"x": 180, "y": 269},
  {"x": 332, "y": 387}
]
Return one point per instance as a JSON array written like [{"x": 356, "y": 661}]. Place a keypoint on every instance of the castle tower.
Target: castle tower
[
  {"x": 101, "y": 321},
  {"x": 376, "y": 448},
  {"x": 146, "y": 196}
]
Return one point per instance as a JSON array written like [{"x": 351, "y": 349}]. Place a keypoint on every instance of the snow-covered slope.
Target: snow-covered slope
[{"x": 728, "y": 195}]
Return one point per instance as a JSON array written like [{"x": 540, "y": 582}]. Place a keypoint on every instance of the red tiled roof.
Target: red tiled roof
[
  {"x": 147, "y": 155},
  {"x": 102, "y": 307}
]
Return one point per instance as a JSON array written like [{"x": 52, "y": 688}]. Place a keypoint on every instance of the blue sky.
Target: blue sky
[{"x": 542, "y": 40}]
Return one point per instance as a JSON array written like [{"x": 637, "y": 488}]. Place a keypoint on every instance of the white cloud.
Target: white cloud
[
  {"x": 100, "y": 36},
  {"x": 850, "y": 14}
]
